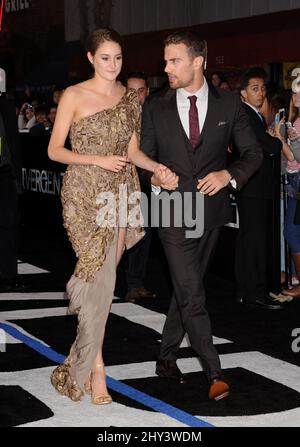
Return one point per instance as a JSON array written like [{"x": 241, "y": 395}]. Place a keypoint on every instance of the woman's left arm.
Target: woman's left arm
[
  {"x": 167, "y": 179},
  {"x": 139, "y": 158}
]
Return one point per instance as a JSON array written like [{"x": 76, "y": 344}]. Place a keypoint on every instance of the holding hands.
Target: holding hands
[{"x": 164, "y": 178}]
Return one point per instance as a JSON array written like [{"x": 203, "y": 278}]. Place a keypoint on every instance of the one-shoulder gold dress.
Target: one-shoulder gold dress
[{"x": 84, "y": 191}]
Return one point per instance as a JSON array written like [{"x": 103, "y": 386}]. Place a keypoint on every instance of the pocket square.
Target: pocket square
[{"x": 222, "y": 123}]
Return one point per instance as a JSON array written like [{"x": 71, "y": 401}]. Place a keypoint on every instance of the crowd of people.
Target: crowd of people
[{"x": 36, "y": 116}]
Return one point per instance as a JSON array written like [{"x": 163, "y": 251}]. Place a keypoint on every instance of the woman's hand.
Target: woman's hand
[
  {"x": 276, "y": 130},
  {"x": 292, "y": 133},
  {"x": 114, "y": 163},
  {"x": 165, "y": 178}
]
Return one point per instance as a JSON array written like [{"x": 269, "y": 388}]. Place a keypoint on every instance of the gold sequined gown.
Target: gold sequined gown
[{"x": 91, "y": 287}]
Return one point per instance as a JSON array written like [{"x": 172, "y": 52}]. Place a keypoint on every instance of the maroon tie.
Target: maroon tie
[{"x": 194, "y": 121}]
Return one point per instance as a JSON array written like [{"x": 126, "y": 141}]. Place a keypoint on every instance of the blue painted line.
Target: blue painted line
[
  {"x": 115, "y": 385},
  {"x": 34, "y": 344}
]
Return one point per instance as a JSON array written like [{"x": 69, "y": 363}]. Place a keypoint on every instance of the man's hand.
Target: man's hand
[
  {"x": 164, "y": 178},
  {"x": 213, "y": 182}
]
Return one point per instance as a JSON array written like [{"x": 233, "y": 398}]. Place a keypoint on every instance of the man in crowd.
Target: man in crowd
[
  {"x": 139, "y": 254},
  {"x": 255, "y": 202}
]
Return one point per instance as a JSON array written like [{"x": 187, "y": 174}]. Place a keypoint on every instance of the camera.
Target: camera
[
  {"x": 281, "y": 113},
  {"x": 288, "y": 125}
]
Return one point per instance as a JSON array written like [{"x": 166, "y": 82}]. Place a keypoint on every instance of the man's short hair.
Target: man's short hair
[
  {"x": 137, "y": 75},
  {"x": 252, "y": 73},
  {"x": 195, "y": 44}
]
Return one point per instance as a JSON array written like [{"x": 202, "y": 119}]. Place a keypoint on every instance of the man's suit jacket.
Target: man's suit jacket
[
  {"x": 8, "y": 111},
  {"x": 164, "y": 139},
  {"x": 263, "y": 183}
]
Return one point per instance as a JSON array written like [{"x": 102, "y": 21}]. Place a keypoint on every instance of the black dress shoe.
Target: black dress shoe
[
  {"x": 137, "y": 293},
  {"x": 168, "y": 369},
  {"x": 268, "y": 303}
]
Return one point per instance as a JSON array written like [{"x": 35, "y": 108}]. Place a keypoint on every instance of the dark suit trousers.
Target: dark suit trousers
[
  {"x": 137, "y": 261},
  {"x": 252, "y": 247},
  {"x": 8, "y": 224},
  {"x": 188, "y": 262}
]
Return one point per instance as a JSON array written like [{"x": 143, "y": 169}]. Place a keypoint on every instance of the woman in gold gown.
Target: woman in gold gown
[{"x": 103, "y": 120}]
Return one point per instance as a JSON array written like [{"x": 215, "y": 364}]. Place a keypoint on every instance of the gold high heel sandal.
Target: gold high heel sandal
[
  {"x": 103, "y": 399},
  {"x": 88, "y": 385}
]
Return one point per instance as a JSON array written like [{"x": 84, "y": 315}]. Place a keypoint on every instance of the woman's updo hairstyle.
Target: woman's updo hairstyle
[{"x": 101, "y": 35}]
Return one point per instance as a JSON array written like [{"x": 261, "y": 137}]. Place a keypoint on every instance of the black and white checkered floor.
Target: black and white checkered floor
[{"x": 255, "y": 347}]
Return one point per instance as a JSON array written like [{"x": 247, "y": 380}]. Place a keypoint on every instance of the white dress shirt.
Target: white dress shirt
[{"x": 183, "y": 106}]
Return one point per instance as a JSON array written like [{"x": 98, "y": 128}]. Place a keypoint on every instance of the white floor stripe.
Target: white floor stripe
[
  {"x": 68, "y": 413},
  {"x": 132, "y": 312},
  {"x": 81, "y": 414},
  {"x": 32, "y": 296},
  {"x": 149, "y": 318},
  {"x": 32, "y": 313},
  {"x": 25, "y": 269},
  {"x": 37, "y": 296},
  {"x": 288, "y": 418},
  {"x": 274, "y": 369}
]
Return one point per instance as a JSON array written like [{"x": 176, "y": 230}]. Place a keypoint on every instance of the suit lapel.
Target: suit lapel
[
  {"x": 210, "y": 119},
  {"x": 255, "y": 116}
]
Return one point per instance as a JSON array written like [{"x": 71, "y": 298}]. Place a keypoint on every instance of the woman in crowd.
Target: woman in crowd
[{"x": 292, "y": 230}]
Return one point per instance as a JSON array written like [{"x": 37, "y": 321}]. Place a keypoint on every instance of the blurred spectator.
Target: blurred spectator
[
  {"x": 137, "y": 80},
  {"x": 292, "y": 230},
  {"x": 255, "y": 202},
  {"x": 26, "y": 118},
  {"x": 274, "y": 101},
  {"x": 57, "y": 94},
  {"x": 224, "y": 86},
  {"x": 216, "y": 79},
  {"x": 139, "y": 254},
  {"x": 10, "y": 186},
  {"x": 52, "y": 116},
  {"x": 43, "y": 125}
]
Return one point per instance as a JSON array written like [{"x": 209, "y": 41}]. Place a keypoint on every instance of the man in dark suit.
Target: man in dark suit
[
  {"x": 255, "y": 202},
  {"x": 188, "y": 128},
  {"x": 138, "y": 255},
  {"x": 10, "y": 183}
]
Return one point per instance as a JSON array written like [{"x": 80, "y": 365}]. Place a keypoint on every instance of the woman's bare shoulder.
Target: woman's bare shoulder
[{"x": 77, "y": 89}]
